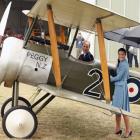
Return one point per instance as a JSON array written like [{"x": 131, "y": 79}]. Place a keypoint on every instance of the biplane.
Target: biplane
[{"x": 53, "y": 69}]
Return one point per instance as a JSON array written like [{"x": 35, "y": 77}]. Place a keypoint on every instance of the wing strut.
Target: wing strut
[
  {"x": 75, "y": 35},
  {"x": 62, "y": 35},
  {"x": 69, "y": 32},
  {"x": 103, "y": 59},
  {"x": 54, "y": 49},
  {"x": 29, "y": 31}
]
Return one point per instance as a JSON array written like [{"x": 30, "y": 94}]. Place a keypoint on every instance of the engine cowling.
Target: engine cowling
[{"x": 17, "y": 63}]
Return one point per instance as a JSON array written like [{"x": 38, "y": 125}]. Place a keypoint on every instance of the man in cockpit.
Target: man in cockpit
[{"x": 86, "y": 56}]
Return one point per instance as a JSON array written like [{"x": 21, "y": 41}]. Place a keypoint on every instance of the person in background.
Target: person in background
[
  {"x": 86, "y": 56},
  {"x": 127, "y": 52},
  {"x": 19, "y": 36},
  {"x": 9, "y": 32},
  {"x": 79, "y": 44},
  {"x": 120, "y": 96},
  {"x": 133, "y": 53}
]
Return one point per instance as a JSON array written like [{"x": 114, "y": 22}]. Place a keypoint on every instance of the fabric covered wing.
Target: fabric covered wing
[
  {"x": 81, "y": 98},
  {"x": 77, "y": 13}
]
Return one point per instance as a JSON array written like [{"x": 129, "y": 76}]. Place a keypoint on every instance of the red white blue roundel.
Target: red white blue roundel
[{"x": 133, "y": 89}]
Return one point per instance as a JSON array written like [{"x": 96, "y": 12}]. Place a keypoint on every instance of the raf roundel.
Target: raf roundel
[{"x": 133, "y": 89}]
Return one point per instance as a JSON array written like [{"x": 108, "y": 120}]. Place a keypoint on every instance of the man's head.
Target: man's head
[
  {"x": 86, "y": 46},
  {"x": 9, "y": 32}
]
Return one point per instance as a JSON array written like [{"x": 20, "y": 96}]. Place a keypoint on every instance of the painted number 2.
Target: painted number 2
[{"x": 89, "y": 89}]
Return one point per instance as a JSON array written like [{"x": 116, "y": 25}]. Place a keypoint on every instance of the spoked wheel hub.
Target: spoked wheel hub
[{"x": 19, "y": 122}]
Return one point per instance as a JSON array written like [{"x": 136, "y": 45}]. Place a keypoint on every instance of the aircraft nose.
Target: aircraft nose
[{"x": 2, "y": 70}]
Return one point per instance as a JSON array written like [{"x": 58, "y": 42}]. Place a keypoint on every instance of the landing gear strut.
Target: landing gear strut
[
  {"x": 18, "y": 118},
  {"x": 8, "y": 104}
]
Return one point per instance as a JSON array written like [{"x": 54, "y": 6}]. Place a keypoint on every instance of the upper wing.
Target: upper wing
[
  {"x": 77, "y": 13},
  {"x": 84, "y": 99}
]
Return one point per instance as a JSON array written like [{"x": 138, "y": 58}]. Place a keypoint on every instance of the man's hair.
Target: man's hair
[{"x": 87, "y": 43}]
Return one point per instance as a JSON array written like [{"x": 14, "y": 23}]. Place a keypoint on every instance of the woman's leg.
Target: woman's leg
[
  {"x": 127, "y": 125},
  {"x": 118, "y": 123}
]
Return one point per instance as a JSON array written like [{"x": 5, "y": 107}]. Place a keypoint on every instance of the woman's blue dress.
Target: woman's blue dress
[{"x": 120, "y": 96}]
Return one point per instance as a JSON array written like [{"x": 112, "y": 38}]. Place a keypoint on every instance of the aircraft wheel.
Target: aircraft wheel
[
  {"x": 8, "y": 104},
  {"x": 19, "y": 122}
]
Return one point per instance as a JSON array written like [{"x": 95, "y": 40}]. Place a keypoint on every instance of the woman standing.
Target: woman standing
[{"x": 120, "y": 97}]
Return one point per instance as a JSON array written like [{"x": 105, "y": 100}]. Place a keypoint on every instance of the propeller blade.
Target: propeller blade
[{"x": 4, "y": 19}]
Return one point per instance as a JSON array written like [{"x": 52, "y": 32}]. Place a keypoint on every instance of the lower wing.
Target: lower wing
[{"x": 60, "y": 92}]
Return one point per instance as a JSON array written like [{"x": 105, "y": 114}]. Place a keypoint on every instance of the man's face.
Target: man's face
[{"x": 85, "y": 48}]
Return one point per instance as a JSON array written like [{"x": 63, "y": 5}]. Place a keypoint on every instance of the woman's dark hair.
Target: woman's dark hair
[{"x": 121, "y": 50}]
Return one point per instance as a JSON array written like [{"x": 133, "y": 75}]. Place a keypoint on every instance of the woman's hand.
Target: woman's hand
[{"x": 111, "y": 77}]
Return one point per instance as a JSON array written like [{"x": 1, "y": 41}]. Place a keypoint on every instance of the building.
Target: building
[{"x": 128, "y": 8}]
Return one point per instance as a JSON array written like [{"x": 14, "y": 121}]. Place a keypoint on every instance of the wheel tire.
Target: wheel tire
[
  {"x": 19, "y": 122},
  {"x": 23, "y": 102}
]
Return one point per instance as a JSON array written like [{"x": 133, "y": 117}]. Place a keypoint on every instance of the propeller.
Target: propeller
[{"x": 4, "y": 21}]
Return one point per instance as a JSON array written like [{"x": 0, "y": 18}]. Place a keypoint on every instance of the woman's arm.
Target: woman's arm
[{"x": 119, "y": 75}]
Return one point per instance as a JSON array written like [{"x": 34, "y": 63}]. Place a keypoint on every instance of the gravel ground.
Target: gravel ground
[{"x": 68, "y": 120}]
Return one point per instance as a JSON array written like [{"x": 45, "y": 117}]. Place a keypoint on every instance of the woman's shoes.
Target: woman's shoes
[
  {"x": 129, "y": 134},
  {"x": 119, "y": 132},
  {"x": 124, "y": 136}
]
